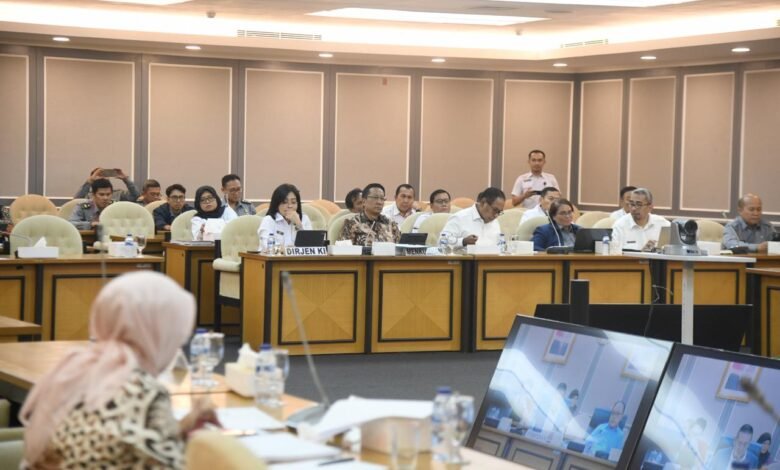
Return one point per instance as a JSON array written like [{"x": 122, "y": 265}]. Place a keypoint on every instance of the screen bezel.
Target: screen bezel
[{"x": 645, "y": 403}]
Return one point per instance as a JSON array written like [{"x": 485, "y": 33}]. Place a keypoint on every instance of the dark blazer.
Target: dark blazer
[
  {"x": 545, "y": 236},
  {"x": 163, "y": 216}
]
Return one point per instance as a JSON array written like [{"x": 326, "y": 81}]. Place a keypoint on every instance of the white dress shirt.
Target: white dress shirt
[
  {"x": 633, "y": 237},
  {"x": 213, "y": 229},
  {"x": 618, "y": 214},
  {"x": 469, "y": 222},
  {"x": 272, "y": 226},
  {"x": 392, "y": 213},
  {"x": 531, "y": 213},
  {"x": 528, "y": 181}
]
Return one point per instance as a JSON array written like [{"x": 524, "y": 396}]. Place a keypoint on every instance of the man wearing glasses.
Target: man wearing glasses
[
  {"x": 639, "y": 229},
  {"x": 165, "y": 213},
  {"x": 231, "y": 195},
  {"x": 440, "y": 204},
  {"x": 370, "y": 225},
  {"x": 478, "y": 225}
]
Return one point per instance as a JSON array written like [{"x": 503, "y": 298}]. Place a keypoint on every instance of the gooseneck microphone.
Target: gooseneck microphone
[{"x": 554, "y": 226}]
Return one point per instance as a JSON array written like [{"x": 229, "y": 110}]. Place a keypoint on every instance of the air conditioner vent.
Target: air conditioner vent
[
  {"x": 248, "y": 33},
  {"x": 592, "y": 42}
]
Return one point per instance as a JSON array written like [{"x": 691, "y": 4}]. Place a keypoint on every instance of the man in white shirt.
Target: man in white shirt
[
  {"x": 403, "y": 206},
  {"x": 440, "y": 204},
  {"x": 625, "y": 198},
  {"x": 549, "y": 195},
  {"x": 528, "y": 186},
  {"x": 478, "y": 225},
  {"x": 639, "y": 230}
]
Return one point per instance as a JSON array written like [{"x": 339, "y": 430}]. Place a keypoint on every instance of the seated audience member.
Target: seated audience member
[
  {"x": 371, "y": 225},
  {"x": 736, "y": 455},
  {"x": 232, "y": 192},
  {"x": 478, "y": 225},
  {"x": 764, "y": 456},
  {"x": 284, "y": 218},
  {"x": 625, "y": 199},
  {"x": 403, "y": 205},
  {"x": 607, "y": 436},
  {"x": 640, "y": 229},
  {"x": 212, "y": 214},
  {"x": 440, "y": 204},
  {"x": 165, "y": 213},
  {"x": 547, "y": 197},
  {"x": 748, "y": 229},
  {"x": 527, "y": 186},
  {"x": 150, "y": 192},
  {"x": 561, "y": 232},
  {"x": 87, "y": 214},
  {"x": 102, "y": 406},
  {"x": 131, "y": 195},
  {"x": 354, "y": 200}
]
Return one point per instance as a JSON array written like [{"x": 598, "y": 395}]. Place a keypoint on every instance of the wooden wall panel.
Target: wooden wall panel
[
  {"x": 14, "y": 128},
  {"x": 600, "y": 134},
  {"x": 760, "y": 138}
]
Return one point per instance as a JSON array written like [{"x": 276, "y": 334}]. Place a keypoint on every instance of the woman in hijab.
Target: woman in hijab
[
  {"x": 212, "y": 214},
  {"x": 102, "y": 406}
]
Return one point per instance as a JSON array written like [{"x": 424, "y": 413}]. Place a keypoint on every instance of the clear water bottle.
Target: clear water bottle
[
  {"x": 443, "y": 243},
  {"x": 501, "y": 243},
  {"x": 271, "y": 245},
  {"x": 198, "y": 350},
  {"x": 269, "y": 381},
  {"x": 605, "y": 245},
  {"x": 440, "y": 424}
]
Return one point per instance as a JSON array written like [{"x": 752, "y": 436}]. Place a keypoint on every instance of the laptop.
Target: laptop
[
  {"x": 311, "y": 238},
  {"x": 586, "y": 238},
  {"x": 413, "y": 238}
]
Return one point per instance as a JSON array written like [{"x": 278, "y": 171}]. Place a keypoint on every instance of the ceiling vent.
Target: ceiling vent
[
  {"x": 593, "y": 42},
  {"x": 248, "y": 33}
]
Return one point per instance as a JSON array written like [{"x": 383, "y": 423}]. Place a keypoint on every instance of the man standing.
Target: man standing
[
  {"x": 607, "y": 436},
  {"x": 165, "y": 213},
  {"x": 440, "y": 204},
  {"x": 131, "y": 195},
  {"x": 625, "y": 198},
  {"x": 150, "y": 192},
  {"x": 87, "y": 215},
  {"x": 748, "y": 230},
  {"x": 403, "y": 206},
  {"x": 371, "y": 225},
  {"x": 549, "y": 195},
  {"x": 528, "y": 186},
  {"x": 639, "y": 230},
  {"x": 736, "y": 456},
  {"x": 478, "y": 225},
  {"x": 231, "y": 195}
]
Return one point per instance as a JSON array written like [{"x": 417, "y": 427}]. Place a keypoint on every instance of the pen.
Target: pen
[{"x": 334, "y": 461}]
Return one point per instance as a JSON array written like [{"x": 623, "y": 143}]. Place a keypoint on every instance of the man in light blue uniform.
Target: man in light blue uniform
[{"x": 607, "y": 436}]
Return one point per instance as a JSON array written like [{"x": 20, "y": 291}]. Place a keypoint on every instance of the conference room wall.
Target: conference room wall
[
  {"x": 14, "y": 124},
  {"x": 465, "y": 155}
]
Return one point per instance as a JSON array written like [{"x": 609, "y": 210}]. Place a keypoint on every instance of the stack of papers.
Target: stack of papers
[
  {"x": 355, "y": 411},
  {"x": 283, "y": 447},
  {"x": 241, "y": 419}
]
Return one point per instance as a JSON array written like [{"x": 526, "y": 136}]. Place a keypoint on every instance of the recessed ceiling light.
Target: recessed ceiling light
[
  {"x": 161, "y": 3},
  {"x": 192, "y": 47},
  {"x": 648, "y": 57},
  {"x": 60, "y": 39},
  {"x": 604, "y": 3},
  {"x": 741, "y": 49},
  {"x": 438, "y": 60},
  {"x": 325, "y": 55},
  {"x": 424, "y": 16},
  {"x": 560, "y": 64}
]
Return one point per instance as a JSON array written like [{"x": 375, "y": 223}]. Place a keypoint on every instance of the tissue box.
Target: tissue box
[
  {"x": 120, "y": 250},
  {"x": 378, "y": 435},
  {"x": 521, "y": 247},
  {"x": 482, "y": 249},
  {"x": 345, "y": 250},
  {"x": 37, "y": 252},
  {"x": 711, "y": 248},
  {"x": 773, "y": 248},
  {"x": 383, "y": 249},
  {"x": 240, "y": 379}
]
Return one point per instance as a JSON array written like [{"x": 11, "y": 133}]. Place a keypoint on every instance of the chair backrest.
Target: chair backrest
[
  {"x": 181, "y": 228},
  {"x": 463, "y": 202},
  {"x": 67, "y": 209},
  {"x": 261, "y": 206},
  {"x": 526, "y": 230},
  {"x": 262, "y": 212},
  {"x": 335, "y": 226},
  {"x": 330, "y": 206},
  {"x": 340, "y": 213},
  {"x": 509, "y": 221},
  {"x": 121, "y": 218},
  {"x": 57, "y": 231},
  {"x": 29, "y": 205},
  {"x": 508, "y": 203},
  {"x": 208, "y": 450},
  {"x": 326, "y": 215},
  {"x": 408, "y": 223},
  {"x": 454, "y": 208},
  {"x": 240, "y": 235},
  {"x": 588, "y": 219},
  {"x": 709, "y": 231},
  {"x": 423, "y": 206},
  {"x": 318, "y": 221},
  {"x": 154, "y": 205},
  {"x": 433, "y": 226},
  {"x": 607, "y": 222}
]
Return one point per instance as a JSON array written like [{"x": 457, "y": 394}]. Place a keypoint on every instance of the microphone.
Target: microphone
[
  {"x": 757, "y": 396},
  {"x": 555, "y": 228},
  {"x": 313, "y": 414}
]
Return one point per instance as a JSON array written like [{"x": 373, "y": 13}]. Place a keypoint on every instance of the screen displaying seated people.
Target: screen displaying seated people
[
  {"x": 707, "y": 416},
  {"x": 566, "y": 396}
]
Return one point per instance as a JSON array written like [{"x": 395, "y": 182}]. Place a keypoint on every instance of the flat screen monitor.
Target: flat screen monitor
[
  {"x": 568, "y": 396},
  {"x": 311, "y": 238},
  {"x": 586, "y": 238},
  {"x": 705, "y": 415}
]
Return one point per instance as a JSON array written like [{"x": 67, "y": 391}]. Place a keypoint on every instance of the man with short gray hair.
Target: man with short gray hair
[
  {"x": 748, "y": 230},
  {"x": 639, "y": 229}
]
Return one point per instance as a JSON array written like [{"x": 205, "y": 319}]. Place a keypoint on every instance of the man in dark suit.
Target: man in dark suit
[{"x": 561, "y": 232}]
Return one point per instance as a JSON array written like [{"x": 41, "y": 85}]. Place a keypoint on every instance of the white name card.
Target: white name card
[{"x": 306, "y": 251}]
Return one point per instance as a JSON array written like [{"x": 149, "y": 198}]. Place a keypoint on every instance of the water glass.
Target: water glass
[
  {"x": 215, "y": 350},
  {"x": 463, "y": 407},
  {"x": 140, "y": 240},
  {"x": 452, "y": 241},
  {"x": 279, "y": 244},
  {"x": 404, "y": 444}
]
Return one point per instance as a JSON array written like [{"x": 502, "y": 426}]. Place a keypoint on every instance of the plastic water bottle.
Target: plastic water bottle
[
  {"x": 271, "y": 245},
  {"x": 501, "y": 243},
  {"x": 605, "y": 245},
  {"x": 269, "y": 381},
  {"x": 129, "y": 246},
  {"x": 440, "y": 424},
  {"x": 443, "y": 243},
  {"x": 198, "y": 351}
]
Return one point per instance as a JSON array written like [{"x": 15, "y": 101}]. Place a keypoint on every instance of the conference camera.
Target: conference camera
[{"x": 682, "y": 239}]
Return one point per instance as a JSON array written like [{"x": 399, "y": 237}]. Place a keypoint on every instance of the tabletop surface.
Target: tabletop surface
[{"x": 13, "y": 327}]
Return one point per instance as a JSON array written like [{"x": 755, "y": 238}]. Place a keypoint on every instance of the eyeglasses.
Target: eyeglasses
[
  {"x": 207, "y": 199},
  {"x": 377, "y": 198},
  {"x": 441, "y": 201},
  {"x": 176, "y": 198},
  {"x": 637, "y": 204}
]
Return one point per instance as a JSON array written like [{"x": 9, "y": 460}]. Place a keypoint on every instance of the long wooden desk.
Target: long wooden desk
[
  {"x": 766, "y": 304},
  {"x": 57, "y": 293},
  {"x": 11, "y": 329}
]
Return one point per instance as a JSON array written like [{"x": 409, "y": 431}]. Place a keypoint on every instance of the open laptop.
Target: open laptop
[
  {"x": 586, "y": 238},
  {"x": 311, "y": 238}
]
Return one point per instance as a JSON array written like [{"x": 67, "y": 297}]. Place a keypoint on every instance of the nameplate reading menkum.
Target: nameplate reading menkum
[{"x": 306, "y": 251}]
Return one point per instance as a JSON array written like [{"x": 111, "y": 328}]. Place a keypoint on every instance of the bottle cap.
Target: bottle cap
[
  {"x": 443, "y": 389},
  {"x": 265, "y": 347},
  {"x": 200, "y": 331}
]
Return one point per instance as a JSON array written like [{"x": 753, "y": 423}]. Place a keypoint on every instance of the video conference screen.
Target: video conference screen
[
  {"x": 705, "y": 416},
  {"x": 566, "y": 396}
]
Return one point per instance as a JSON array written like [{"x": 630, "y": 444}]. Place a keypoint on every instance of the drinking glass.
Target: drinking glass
[
  {"x": 404, "y": 444},
  {"x": 452, "y": 241},
  {"x": 463, "y": 406},
  {"x": 140, "y": 240},
  {"x": 215, "y": 344},
  {"x": 279, "y": 244}
]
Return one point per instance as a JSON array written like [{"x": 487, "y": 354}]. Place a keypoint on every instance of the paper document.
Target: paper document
[
  {"x": 283, "y": 447},
  {"x": 241, "y": 419},
  {"x": 321, "y": 464},
  {"x": 355, "y": 411}
]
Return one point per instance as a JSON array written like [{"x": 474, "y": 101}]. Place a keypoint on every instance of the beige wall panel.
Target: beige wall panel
[
  {"x": 89, "y": 121},
  {"x": 456, "y": 135},
  {"x": 14, "y": 95},
  {"x": 537, "y": 114},
  {"x": 372, "y": 131},
  {"x": 283, "y": 132},
  {"x": 651, "y": 137},
  {"x": 761, "y": 139},
  {"x": 189, "y": 125},
  {"x": 706, "y": 142},
  {"x": 600, "y": 129}
]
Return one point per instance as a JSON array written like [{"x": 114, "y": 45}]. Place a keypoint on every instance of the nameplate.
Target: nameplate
[{"x": 306, "y": 251}]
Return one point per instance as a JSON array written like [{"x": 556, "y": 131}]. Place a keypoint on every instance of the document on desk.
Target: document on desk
[
  {"x": 283, "y": 447},
  {"x": 356, "y": 411},
  {"x": 242, "y": 419},
  {"x": 320, "y": 464}
]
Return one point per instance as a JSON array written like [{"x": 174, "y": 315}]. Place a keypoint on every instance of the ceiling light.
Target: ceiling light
[
  {"x": 325, "y": 55},
  {"x": 60, "y": 39},
  {"x": 192, "y": 47},
  {"x": 741, "y": 49},
  {"x": 438, "y": 60},
  {"x": 424, "y": 16},
  {"x": 648, "y": 57},
  {"x": 560, "y": 64},
  {"x": 159, "y": 3},
  {"x": 604, "y": 3}
]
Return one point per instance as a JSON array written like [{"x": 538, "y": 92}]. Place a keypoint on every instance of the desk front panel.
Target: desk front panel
[
  {"x": 17, "y": 291},
  {"x": 614, "y": 279},
  {"x": 713, "y": 283},
  {"x": 416, "y": 305}
]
